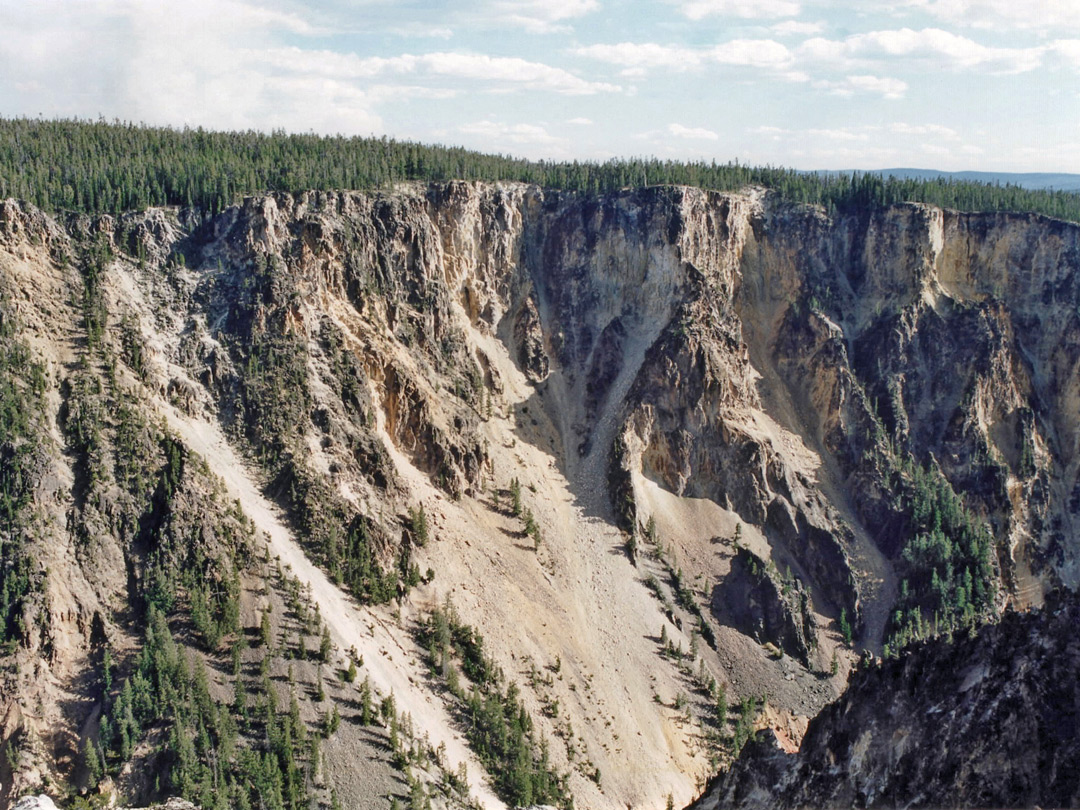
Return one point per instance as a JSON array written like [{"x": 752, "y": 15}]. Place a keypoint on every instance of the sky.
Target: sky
[{"x": 988, "y": 85}]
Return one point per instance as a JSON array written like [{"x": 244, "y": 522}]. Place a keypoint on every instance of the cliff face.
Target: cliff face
[
  {"x": 988, "y": 720},
  {"x": 671, "y": 382}
]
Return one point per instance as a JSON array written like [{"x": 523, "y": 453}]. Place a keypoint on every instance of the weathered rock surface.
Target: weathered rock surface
[
  {"x": 766, "y": 605},
  {"x": 987, "y": 720},
  {"x": 41, "y": 802},
  {"x": 705, "y": 364}
]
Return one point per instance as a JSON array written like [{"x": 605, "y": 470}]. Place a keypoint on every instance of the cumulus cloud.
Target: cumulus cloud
[
  {"x": 225, "y": 64},
  {"x": 866, "y": 146},
  {"x": 882, "y": 85},
  {"x": 745, "y": 9},
  {"x": 770, "y": 131},
  {"x": 532, "y": 140},
  {"x": 511, "y": 70},
  {"x": 840, "y": 134},
  {"x": 924, "y": 130},
  {"x": 641, "y": 56},
  {"x": 192, "y": 63},
  {"x": 422, "y": 31},
  {"x": 680, "y": 141},
  {"x": 1043, "y": 15},
  {"x": 692, "y": 133},
  {"x": 933, "y": 45},
  {"x": 541, "y": 16},
  {"x": 494, "y": 70},
  {"x": 752, "y": 52},
  {"x": 791, "y": 28},
  {"x": 1067, "y": 50}
]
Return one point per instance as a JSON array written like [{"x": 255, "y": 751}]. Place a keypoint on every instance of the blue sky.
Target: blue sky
[{"x": 989, "y": 85}]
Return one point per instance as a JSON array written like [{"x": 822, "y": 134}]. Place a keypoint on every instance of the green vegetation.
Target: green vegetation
[
  {"x": 274, "y": 403},
  {"x": 22, "y": 386},
  {"x": 497, "y": 726},
  {"x": 947, "y": 562},
  {"x": 744, "y": 724},
  {"x": 418, "y": 525},
  {"x": 204, "y": 757},
  {"x": 683, "y": 593},
  {"x": 95, "y": 314},
  {"x": 845, "y": 628},
  {"x": 947, "y": 559},
  {"x": 515, "y": 497},
  {"x": 159, "y": 704},
  {"x": 97, "y": 167},
  {"x": 187, "y": 548},
  {"x": 721, "y": 708}
]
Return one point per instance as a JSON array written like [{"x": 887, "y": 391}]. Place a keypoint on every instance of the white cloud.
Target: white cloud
[
  {"x": 886, "y": 86},
  {"x": 500, "y": 70},
  {"x": 840, "y": 134},
  {"x": 867, "y": 146},
  {"x": 932, "y": 45},
  {"x": 745, "y": 9},
  {"x": 638, "y": 57},
  {"x": 1068, "y": 50},
  {"x": 530, "y": 139},
  {"x": 924, "y": 130},
  {"x": 643, "y": 55},
  {"x": 678, "y": 141},
  {"x": 1039, "y": 15},
  {"x": 935, "y": 149},
  {"x": 692, "y": 133},
  {"x": 581, "y": 122},
  {"x": 380, "y": 93},
  {"x": 532, "y": 75},
  {"x": 541, "y": 16},
  {"x": 422, "y": 31},
  {"x": 191, "y": 63},
  {"x": 790, "y": 28},
  {"x": 224, "y": 64},
  {"x": 752, "y": 52}
]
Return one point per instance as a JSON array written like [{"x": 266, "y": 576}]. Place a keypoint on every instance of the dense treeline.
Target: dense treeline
[{"x": 98, "y": 167}]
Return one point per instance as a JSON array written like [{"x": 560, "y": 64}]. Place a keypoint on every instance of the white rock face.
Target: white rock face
[{"x": 41, "y": 802}]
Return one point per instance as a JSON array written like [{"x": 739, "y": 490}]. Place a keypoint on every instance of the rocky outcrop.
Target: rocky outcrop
[
  {"x": 985, "y": 720},
  {"x": 41, "y": 802},
  {"x": 767, "y": 605}
]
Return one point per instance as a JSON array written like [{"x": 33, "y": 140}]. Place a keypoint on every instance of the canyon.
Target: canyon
[{"x": 651, "y": 446}]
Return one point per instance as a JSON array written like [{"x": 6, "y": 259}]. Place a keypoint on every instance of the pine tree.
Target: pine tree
[
  {"x": 92, "y": 761},
  {"x": 721, "y": 709},
  {"x": 515, "y": 497},
  {"x": 265, "y": 632},
  {"x": 367, "y": 714},
  {"x": 325, "y": 645}
]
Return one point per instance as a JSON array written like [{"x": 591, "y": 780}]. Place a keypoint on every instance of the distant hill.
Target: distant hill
[{"x": 1059, "y": 181}]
